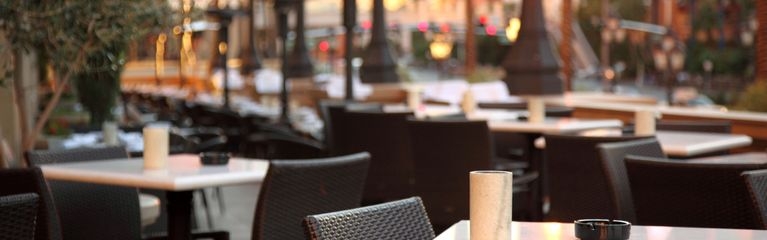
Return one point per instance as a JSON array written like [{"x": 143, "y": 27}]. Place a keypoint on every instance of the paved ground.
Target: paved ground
[{"x": 237, "y": 218}]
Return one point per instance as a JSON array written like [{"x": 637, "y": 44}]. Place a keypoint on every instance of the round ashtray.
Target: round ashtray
[
  {"x": 602, "y": 229},
  {"x": 214, "y": 158}
]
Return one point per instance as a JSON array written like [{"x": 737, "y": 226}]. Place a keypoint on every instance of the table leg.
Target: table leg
[
  {"x": 535, "y": 157},
  {"x": 179, "y": 215}
]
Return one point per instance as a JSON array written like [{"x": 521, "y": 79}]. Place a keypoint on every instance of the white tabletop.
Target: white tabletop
[
  {"x": 184, "y": 172},
  {"x": 552, "y": 125},
  {"x": 565, "y": 231},
  {"x": 693, "y": 143},
  {"x": 681, "y": 144}
]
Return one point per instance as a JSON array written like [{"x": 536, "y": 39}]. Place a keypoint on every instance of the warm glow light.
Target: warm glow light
[
  {"x": 222, "y": 47},
  {"x": 512, "y": 31},
  {"x": 324, "y": 46},
  {"x": 441, "y": 47},
  {"x": 553, "y": 231},
  {"x": 393, "y": 5}
]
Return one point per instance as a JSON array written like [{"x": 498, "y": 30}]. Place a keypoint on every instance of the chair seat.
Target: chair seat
[{"x": 150, "y": 208}]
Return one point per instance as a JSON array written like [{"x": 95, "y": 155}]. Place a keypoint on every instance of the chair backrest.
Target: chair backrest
[
  {"x": 551, "y": 111},
  {"x": 294, "y": 189},
  {"x": 402, "y": 219},
  {"x": 36, "y": 158},
  {"x": 385, "y": 137},
  {"x": 691, "y": 194},
  {"x": 30, "y": 180},
  {"x": 444, "y": 152},
  {"x": 334, "y": 114},
  {"x": 756, "y": 182},
  {"x": 576, "y": 186},
  {"x": 274, "y": 145},
  {"x": 17, "y": 216},
  {"x": 694, "y": 126},
  {"x": 611, "y": 156},
  {"x": 83, "y": 207}
]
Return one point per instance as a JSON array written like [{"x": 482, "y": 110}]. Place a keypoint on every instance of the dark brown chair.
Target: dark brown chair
[
  {"x": 17, "y": 216},
  {"x": 551, "y": 111},
  {"x": 385, "y": 137},
  {"x": 614, "y": 170},
  {"x": 444, "y": 152},
  {"x": 691, "y": 194},
  {"x": 30, "y": 180},
  {"x": 83, "y": 217},
  {"x": 694, "y": 126},
  {"x": 294, "y": 189},
  {"x": 273, "y": 145},
  {"x": 402, "y": 219},
  {"x": 334, "y": 114},
  {"x": 574, "y": 178},
  {"x": 756, "y": 182}
]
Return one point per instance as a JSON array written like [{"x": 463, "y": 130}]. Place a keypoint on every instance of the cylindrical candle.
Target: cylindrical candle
[
  {"x": 156, "y": 146},
  {"x": 109, "y": 131},
  {"x": 414, "y": 99},
  {"x": 644, "y": 122},
  {"x": 490, "y": 205},
  {"x": 468, "y": 104},
  {"x": 536, "y": 110}
]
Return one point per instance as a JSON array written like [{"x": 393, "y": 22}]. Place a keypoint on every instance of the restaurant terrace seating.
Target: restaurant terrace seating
[
  {"x": 574, "y": 179},
  {"x": 18, "y": 214},
  {"x": 294, "y": 189},
  {"x": 401, "y": 219},
  {"x": 30, "y": 180},
  {"x": 276, "y": 145},
  {"x": 613, "y": 169},
  {"x": 692, "y": 193}
]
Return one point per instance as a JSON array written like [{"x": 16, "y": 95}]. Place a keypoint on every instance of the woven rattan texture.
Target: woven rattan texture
[
  {"x": 678, "y": 193},
  {"x": 611, "y": 155},
  {"x": 574, "y": 176},
  {"x": 294, "y": 189},
  {"x": 17, "y": 216},
  {"x": 19, "y": 181},
  {"x": 756, "y": 181},
  {"x": 398, "y": 220},
  {"x": 92, "y": 211}
]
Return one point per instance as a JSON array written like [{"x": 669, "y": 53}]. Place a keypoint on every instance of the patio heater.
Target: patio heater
[
  {"x": 249, "y": 56},
  {"x": 531, "y": 66},
  {"x": 224, "y": 17},
  {"x": 298, "y": 62},
  {"x": 283, "y": 8},
  {"x": 378, "y": 64},
  {"x": 350, "y": 21}
]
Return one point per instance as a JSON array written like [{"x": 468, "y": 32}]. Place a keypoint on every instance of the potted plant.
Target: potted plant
[{"x": 70, "y": 36}]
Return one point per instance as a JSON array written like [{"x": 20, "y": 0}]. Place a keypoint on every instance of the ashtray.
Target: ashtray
[
  {"x": 602, "y": 229},
  {"x": 214, "y": 158}
]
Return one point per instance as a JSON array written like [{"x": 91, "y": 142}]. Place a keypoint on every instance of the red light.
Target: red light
[
  {"x": 367, "y": 24},
  {"x": 423, "y": 26},
  {"x": 324, "y": 46},
  {"x": 483, "y": 20},
  {"x": 491, "y": 30},
  {"x": 445, "y": 27}
]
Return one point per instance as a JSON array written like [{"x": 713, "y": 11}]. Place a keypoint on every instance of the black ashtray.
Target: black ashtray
[
  {"x": 602, "y": 229},
  {"x": 214, "y": 158}
]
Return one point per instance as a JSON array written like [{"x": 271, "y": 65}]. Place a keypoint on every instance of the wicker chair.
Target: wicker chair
[
  {"x": 691, "y": 194},
  {"x": 576, "y": 186},
  {"x": 334, "y": 114},
  {"x": 83, "y": 217},
  {"x": 444, "y": 152},
  {"x": 385, "y": 137},
  {"x": 17, "y": 216},
  {"x": 403, "y": 219},
  {"x": 294, "y": 189},
  {"x": 274, "y": 145},
  {"x": 614, "y": 171},
  {"x": 30, "y": 180},
  {"x": 756, "y": 182}
]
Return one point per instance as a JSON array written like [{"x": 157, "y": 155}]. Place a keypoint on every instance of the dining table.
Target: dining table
[
  {"x": 184, "y": 174},
  {"x": 565, "y": 231}
]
